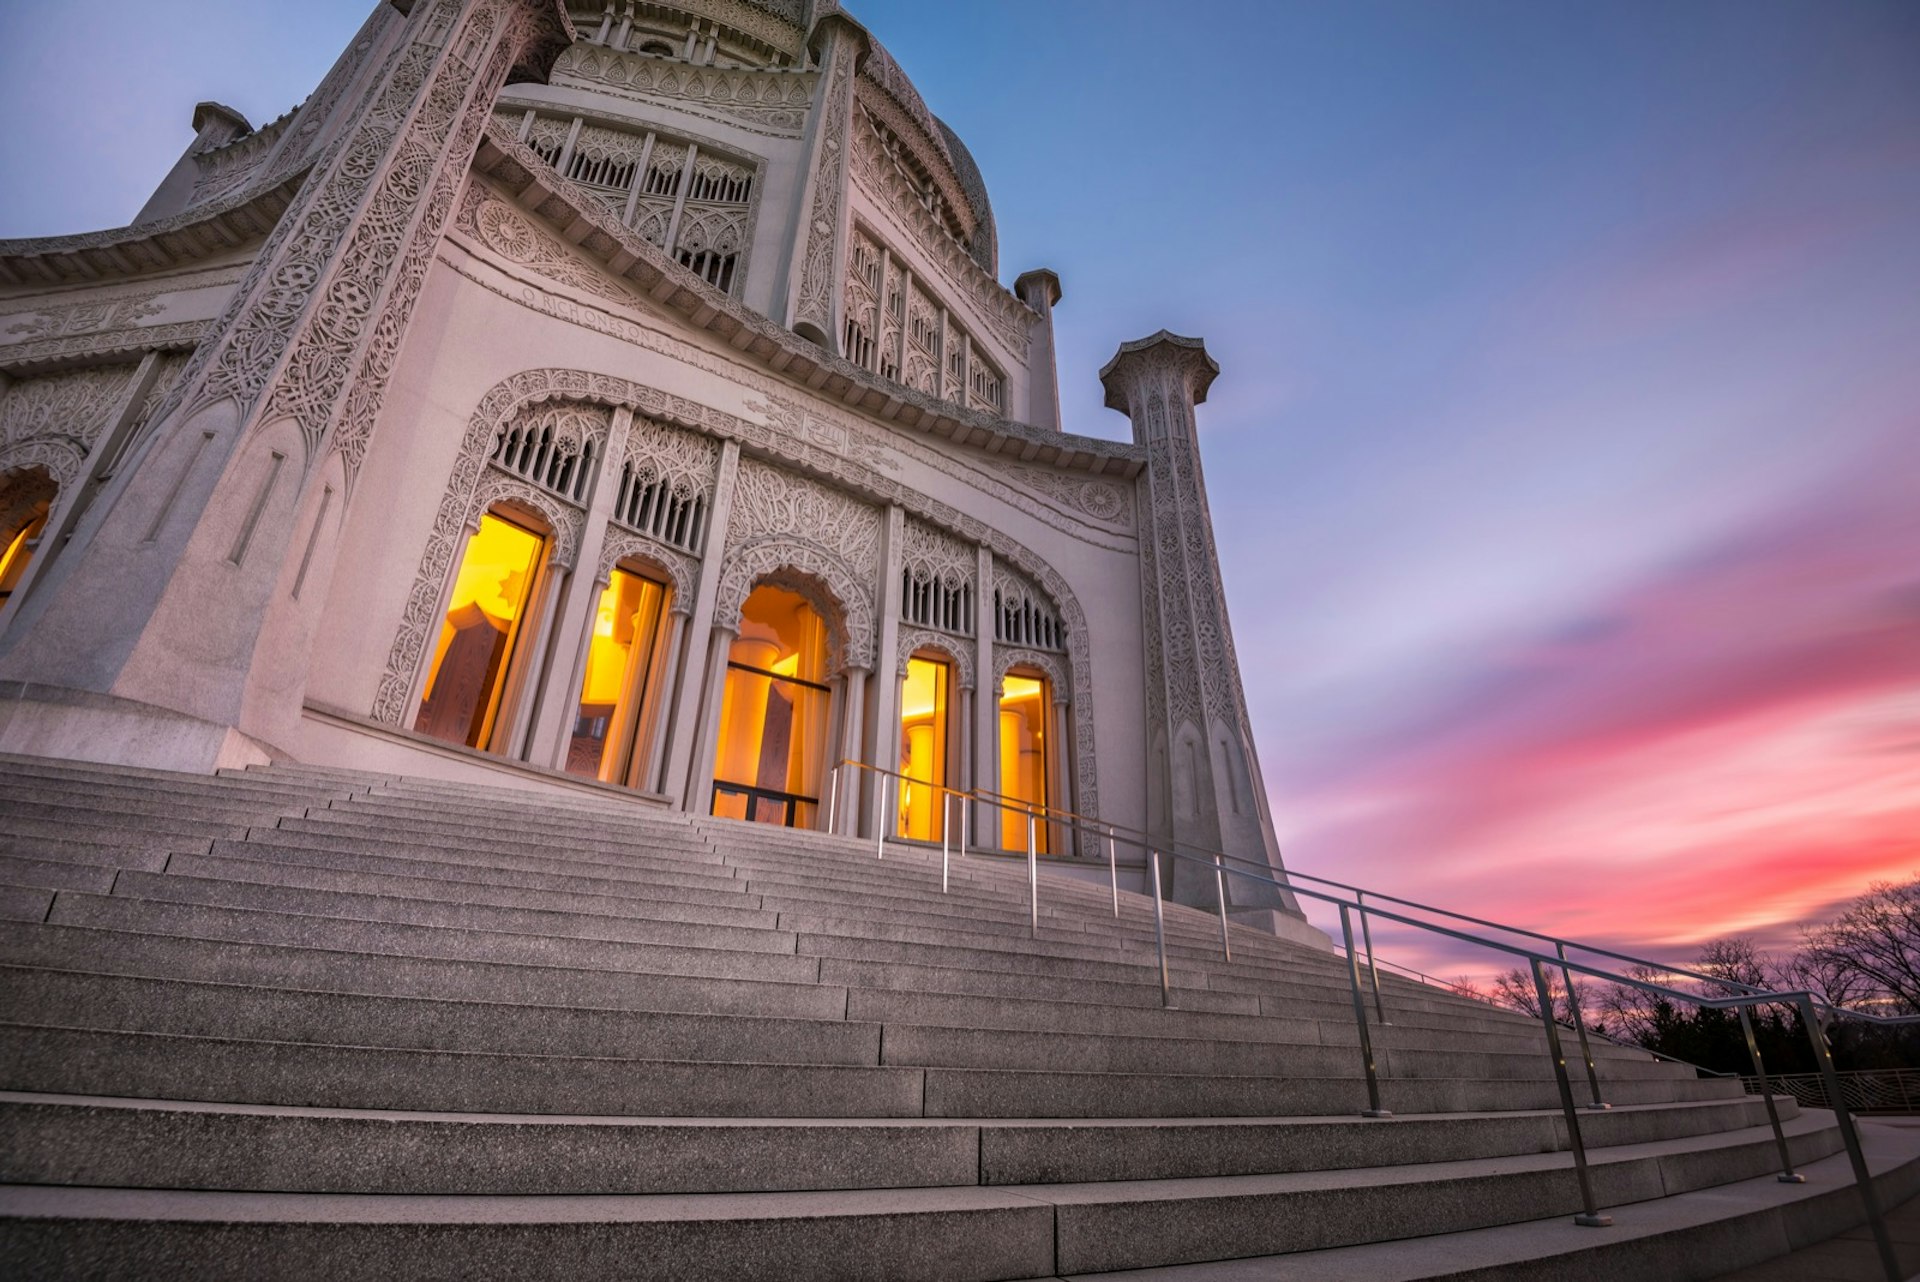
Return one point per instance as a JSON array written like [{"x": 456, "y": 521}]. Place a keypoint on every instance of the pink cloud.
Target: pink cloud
[{"x": 1731, "y": 745}]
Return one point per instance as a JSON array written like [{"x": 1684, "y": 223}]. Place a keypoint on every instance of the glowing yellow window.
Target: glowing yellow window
[
  {"x": 614, "y": 712},
  {"x": 923, "y": 749},
  {"x": 19, "y": 553},
  {"x": 475, "y": 652},
  {"x": 1025, "y": 701},
  {"x": 773, "y": 713}
]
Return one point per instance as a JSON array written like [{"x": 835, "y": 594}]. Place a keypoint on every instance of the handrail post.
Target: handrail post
[
  {"x": 1850, "y": 1134},
  {"x": 964, "y": 808},
  {"x": 1033, "y": 877},
  {"x": 1374, "y": 1108},
  {"x": 833, "y": 796},
  {"x": 1787, "y": 1173},
  {"x": 1580, "y": 1027},
  {"x": 880, "y": 818},
  {"x": 1220, "y": 891},
  {"x": 1366, "y": 936},
  {"x": 946, "y": 810},
  {"x": 1591, "y": 1217},
  {"x": 1113, "y": 872},
  {"x": 1160, "y": 930}
]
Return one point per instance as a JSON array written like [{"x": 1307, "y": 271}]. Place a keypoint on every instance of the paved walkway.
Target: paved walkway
[{"x": 1851, "y": 1256}]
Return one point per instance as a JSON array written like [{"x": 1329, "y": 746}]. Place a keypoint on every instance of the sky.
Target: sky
[{"x": 1565, "y": 461}]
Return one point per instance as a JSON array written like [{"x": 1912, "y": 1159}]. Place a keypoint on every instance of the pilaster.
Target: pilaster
[
  {"x": 182, "y": 598},
  {"x": 1204, "y": 791},
  {"x": 809, "y": 293},
  {"x": 687, "y": 697},
  {"x": 1040, "y": 290}
]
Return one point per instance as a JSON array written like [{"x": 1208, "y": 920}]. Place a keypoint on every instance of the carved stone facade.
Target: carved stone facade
[{"x": 703, "y": 297}]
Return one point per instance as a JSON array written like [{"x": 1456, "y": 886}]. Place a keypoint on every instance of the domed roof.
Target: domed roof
[{"x": 985, "y": 247}]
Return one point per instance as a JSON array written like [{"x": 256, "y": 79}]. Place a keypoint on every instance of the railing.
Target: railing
[
  {"x": 1871, "y": 1090},
  {"x": 1348, "y": 900}
]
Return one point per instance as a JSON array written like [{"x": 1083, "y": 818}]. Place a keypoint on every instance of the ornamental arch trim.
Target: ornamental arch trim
[
  {"x": 1007, "y": 658},
  {"x": 825, "y": 581},
  {"x": 956, "y": 650}
]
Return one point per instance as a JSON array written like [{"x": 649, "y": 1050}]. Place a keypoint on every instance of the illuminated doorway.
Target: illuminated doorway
[
  {"x": 615, "y": 705},
  {"x": 773, "y": 713},
  {"x": 1026, "y": 699},
  {"x": 26, "y": 500},
  {"x": 475, "y": 653},
  {"x": 923, "y": 748}
]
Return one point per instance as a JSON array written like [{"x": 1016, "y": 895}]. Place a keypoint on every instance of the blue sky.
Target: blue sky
[{"x": 1566, "y": 458}]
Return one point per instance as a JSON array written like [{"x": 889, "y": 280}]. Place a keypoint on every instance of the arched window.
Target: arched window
[
  {"x": 481, "y": 633},
  {"x": 617, "y": 703},
  {"x": 773, "y": 713},
  {"x": 925, "y": 745},
  {"x": 1026, "y": 701},
  {"x": 26, "y": 500}
]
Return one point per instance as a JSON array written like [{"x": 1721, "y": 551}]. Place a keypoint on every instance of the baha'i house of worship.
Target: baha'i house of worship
[{"x": 620, "y": 397}]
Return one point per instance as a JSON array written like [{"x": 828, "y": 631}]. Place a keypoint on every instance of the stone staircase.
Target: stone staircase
[{"x": 298, "y": 1022}]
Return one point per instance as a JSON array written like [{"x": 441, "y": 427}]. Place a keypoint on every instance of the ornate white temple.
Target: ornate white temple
[{"x": 614, "y": 396}]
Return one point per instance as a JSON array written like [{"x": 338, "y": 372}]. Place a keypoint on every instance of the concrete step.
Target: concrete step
[
  {"x": 323, "y": 876},
  {"x": 940, "y": 1235},
  {"x": 53, "y": 874},
  {"x": 376, "y": 812},
  {"x": 666, "y": 869},
  {"x": 41, "y": 1058},
  {"x": 638, "y": 822},
  {"x": 239, "y": 782},
  {"x": 466, "y": 838},
  {"x": 1688, "y": 1236},
  {"x": 131, "y": 1143},
  {"x": 382, "y": 960},
  {"x": 499, "y": 870},
  {"x": 223, "y": 892},
  {"x": 68, "y": 824},
  {"x": 132, "y": 813},
  {"x": 1137, "y": 1223},
  {"x": 85, "y": 853}
]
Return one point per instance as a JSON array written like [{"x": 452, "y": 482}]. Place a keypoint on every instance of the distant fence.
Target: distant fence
[{"x": 1883, "y": 1090}]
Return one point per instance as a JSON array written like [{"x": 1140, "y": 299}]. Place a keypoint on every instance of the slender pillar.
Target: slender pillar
[
  {"x": 699, "y": 798},
  {"x": 681, "y": 755},
  {"x": 556, "y": 706},
  {"x": 1203, "y": 786},
  {"x": 986, "y": 712},
  {"x": 648, "y": 777},
  {"x": 853, "y": 806},
  {"x": 1040, "y": 290}
]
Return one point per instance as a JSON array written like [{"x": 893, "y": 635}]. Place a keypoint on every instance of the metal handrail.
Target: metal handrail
[{"x": 1805, "y": 1002}]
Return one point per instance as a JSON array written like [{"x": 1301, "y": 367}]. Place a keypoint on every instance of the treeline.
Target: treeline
[{"x": 1867, "y": 959}]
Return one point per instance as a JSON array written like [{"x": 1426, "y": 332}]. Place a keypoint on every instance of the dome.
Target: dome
[{"x": 985, "y": 246}]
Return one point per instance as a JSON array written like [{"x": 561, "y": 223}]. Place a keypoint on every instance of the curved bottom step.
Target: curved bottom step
[{"x": 1689, "y": 1237}]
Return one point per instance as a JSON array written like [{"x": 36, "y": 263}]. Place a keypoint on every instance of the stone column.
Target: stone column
[
  {"x": 986, "y": 712},
  {"x": 852, "y": 727},
  {"x": 964, "y": 755},
  {"x": 809, "y": 293},
  {"x": 179, "y": 607},
  {"x": 653, "y": 763},
  {"x": 699, "y": 794},
  {"x": 681, "y": 752},
  {"x": 1040, "y": 290},
  {"x": 554, "y": 713},
  {"x": 1203, "y": 779},
  {"x": 885, "y": 737}
]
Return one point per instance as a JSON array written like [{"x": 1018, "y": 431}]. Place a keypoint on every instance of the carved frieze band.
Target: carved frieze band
[
  {"x": 774, "y": 103},
  {"x": 840, "y": 433}
]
